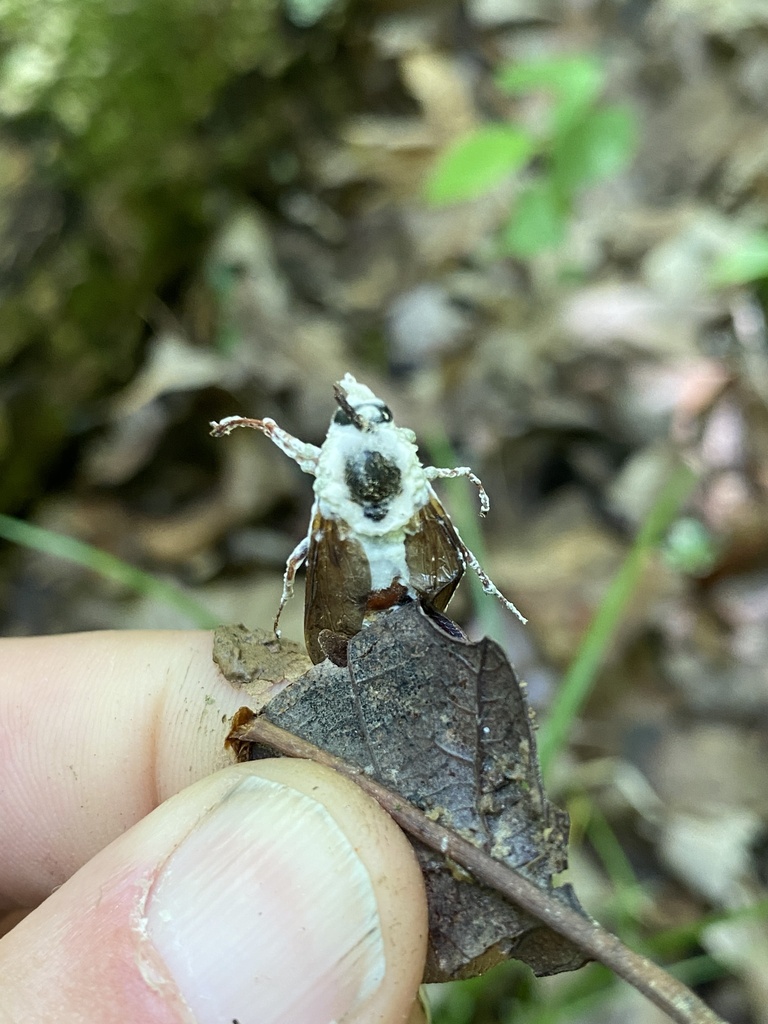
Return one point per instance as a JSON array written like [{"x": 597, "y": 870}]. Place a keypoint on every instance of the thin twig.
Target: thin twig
[{"x": 647, "y": 977}]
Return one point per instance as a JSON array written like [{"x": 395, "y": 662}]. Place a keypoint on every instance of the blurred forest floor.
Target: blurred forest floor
[{"x": 221, "y": 208}]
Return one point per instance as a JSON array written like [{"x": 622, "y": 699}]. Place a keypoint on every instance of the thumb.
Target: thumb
[{"x": 272, "y": 891}]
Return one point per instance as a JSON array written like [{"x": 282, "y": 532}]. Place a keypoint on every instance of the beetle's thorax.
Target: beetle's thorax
[{"x": 371, "y": 480}]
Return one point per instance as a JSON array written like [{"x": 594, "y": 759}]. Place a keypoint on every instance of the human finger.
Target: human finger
[{"x": 272, "y": 891}]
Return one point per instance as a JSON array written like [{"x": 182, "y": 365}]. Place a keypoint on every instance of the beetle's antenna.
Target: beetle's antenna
[{"x": 341, "y": 398}]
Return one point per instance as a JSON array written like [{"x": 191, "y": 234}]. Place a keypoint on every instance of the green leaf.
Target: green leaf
[
  {"x": 597, "y": 146},
  {"x": 538, "y": 221},
  {"x": 477, "y": 163},
  {"x": 306, "y": 13},
  {"x": 747, "y": 263},
  {"x": 690, "y": 547},
  {"x": 582, "y": 74},
  {"x": 576, "y": 81}
]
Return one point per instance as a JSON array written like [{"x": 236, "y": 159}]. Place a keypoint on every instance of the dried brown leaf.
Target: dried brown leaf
[{"x": 445, "y": 724}]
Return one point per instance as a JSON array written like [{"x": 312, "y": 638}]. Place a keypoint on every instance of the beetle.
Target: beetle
[{"x": 379, "y": 535}]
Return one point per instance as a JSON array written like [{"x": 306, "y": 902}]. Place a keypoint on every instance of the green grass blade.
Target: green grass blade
[
  {"x": 580, "y": 677},
  {"x": 60, "y": 546}
]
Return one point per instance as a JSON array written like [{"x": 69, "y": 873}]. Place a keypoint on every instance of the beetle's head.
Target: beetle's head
[{"x": 358, "y": 406}]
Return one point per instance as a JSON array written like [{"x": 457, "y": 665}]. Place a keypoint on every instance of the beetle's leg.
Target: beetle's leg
[
  {"x": 294, "y": 563},
  {"x": 303, "y": 454},
  {"x": 487, "y": 583},
  {"x": 433, "y": 472}
]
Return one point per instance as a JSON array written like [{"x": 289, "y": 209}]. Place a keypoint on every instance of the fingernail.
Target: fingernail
[{"x": 265, "y": 913}]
